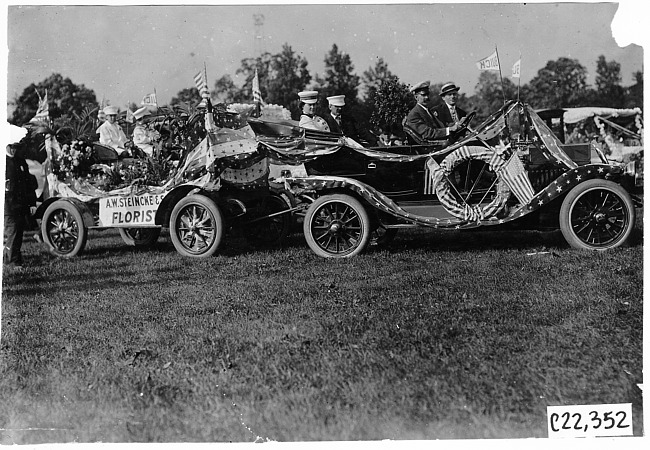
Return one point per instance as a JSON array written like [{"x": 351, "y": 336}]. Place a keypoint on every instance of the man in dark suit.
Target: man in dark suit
[
  {"x": 344, "y": 124},
  {"x": 422, "y": 121},
  {"x": 447, "y": 112}
]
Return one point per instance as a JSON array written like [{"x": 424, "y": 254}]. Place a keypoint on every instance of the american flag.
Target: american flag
[
  {"x": 149, "y": 100},
  {"x": 201, "y": 81},
  {"x": 257, "y": 94},
  {"x": 515, "y": 176}
]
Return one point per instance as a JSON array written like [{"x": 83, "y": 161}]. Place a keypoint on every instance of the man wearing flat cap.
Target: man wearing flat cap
[
  {"x": 447, "y": 112},
  {"x": 422, "y": 121}
]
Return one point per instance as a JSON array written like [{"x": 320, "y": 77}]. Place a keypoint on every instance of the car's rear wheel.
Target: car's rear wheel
[
  {"x": 597, "y": 215},
  {"x": 63, "y": 229},
  {"x": 196, "y": 226},
  {"x": 139, "y": 237},
  {"x": 337, "y": 226}
]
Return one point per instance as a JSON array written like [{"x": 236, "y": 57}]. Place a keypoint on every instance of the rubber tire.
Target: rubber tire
[
  {"x": 76, "y": 224},
  {"x": 589, "y": 187},
  {"x": 272, "y": 231},
  {"x": 328, "y": 201},
  {"x": 148, "y": 236},
  {"x": 207, "y": 206}
]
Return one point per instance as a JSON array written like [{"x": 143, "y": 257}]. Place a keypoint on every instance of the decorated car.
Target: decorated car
[
  {"x": 511, "y": 171},
  {"x": 220, "y": 184}
]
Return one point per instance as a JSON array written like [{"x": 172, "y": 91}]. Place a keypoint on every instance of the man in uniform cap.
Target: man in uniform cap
[
  {"x": 447, "y": 112},
  {"x": 422, "y": 121},
  {"x": 308, "y": 119},
  {"x": 345, "y": 124},
  {"x": 111, "y": 133}
]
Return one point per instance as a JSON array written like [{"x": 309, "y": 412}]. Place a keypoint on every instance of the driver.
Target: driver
[
  {"x": 447, "y": 112},
  {"x": 423, "y": 121}
]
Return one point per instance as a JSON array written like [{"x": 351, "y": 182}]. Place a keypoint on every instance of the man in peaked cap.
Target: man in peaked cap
[
  {"x": 339, "y": 122},
  {"x": 308, "y": 119},
  {"x": 421, "y": 119},
  {"x": 447, "y": 112},
  {"x": 111, "y": 133}
]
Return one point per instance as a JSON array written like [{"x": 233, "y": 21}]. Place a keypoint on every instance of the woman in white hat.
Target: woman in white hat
[
  {"x": 308, "y": 119},
  {"x": 110, "y": 132},
  {"x": 143, "y": 137}
]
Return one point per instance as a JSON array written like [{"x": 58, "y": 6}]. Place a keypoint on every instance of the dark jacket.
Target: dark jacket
[
  {"x": 20, "y": 186},
  {"x": 425, "y": 124},
  {"x": 442, "y": 113},
  {"x": 350, "y": 129}
]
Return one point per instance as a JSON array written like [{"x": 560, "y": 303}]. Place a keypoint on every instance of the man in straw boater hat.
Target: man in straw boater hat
[
  {"x": 308, "y": 119},
  {"x": 421, "y": 119},
  {"x": 447, "y": 112}
]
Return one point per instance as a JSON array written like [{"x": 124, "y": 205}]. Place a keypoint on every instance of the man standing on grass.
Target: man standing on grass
[{"x": 20, "y": 200}]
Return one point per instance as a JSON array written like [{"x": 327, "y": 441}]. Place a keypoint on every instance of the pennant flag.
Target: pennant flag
[
  {"x": 43, "y": 112},
  {"x": 489, "y": 63},
  {"x": 201, "y": 81},
  {"x": 516, "y": 69},
  {"x": 149, "y": 100},
  {"x": 257, "y": 94},
  {"x": 129, "y": 115}
]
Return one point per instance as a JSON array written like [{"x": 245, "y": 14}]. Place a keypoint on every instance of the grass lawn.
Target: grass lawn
[{"x": 441, "y": 335}]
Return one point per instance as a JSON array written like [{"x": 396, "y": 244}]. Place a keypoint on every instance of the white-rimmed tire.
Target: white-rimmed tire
[
  {"x": 196, "y": 226},
  {"x": 63, "y": 229},
  {"x": 337, "y": 226},
  {"x": 597, "y": 215}
]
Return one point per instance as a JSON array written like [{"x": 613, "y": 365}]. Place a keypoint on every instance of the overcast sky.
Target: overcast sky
[{"x": 125, "y": 52}]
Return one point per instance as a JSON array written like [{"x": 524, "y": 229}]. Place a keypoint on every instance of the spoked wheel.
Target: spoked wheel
[
  {"x": 196, "y": 226},
  {"x": 337, "y": 226},
  {"x": 63, "y": 229},
  {"x": 270, "y": 230},
  {"x": 140, "y": 237},
  {"x": 597, "y": 215}
]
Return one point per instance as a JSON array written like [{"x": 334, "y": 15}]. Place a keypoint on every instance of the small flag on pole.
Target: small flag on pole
[
  {"x": 489, "y": 63},
  {"x": 201, "y": 81},
  {"x": 516, "y": 69},
  {"x": 129, "y": 114},
  {"x": 149, "y": 100},
  {"x": 257, "y": 94},
  {"x": 43, "y": 112}
]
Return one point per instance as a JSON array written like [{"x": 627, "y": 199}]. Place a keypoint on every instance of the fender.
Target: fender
[{"x": 86, "y": 214}]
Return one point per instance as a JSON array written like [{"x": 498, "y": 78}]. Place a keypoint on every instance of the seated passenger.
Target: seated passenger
[
  {"x": 308, "y": 119},
  {"x": 110, "y": 132},
  {"x": 447, "y": 112},
  {"x": 143, "y": 137},
  {"x": 339, "y": 122},
  {"x": 422, "y": 121}
]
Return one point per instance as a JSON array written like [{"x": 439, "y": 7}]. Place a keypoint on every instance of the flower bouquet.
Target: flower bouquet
[{"x": 73, "y": 161}]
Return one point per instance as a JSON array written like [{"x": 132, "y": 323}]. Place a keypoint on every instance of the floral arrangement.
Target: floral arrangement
[
  {"x": 74, "y": 160},
  {"x": 136, "y": 172}
]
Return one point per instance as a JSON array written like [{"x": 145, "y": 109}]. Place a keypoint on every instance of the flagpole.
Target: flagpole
[
  {"x": 519, "y": 79},
  {"x": 503, "y": 92}
]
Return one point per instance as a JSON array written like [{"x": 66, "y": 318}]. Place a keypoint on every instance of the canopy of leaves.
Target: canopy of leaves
[
  {"x": 64, "y": 99},
  {"x": 392, "y": 103},
  {"x": 561, "y": 83}
]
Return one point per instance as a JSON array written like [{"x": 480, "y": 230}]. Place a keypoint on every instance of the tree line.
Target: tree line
[{"x": 384, "y": 99}]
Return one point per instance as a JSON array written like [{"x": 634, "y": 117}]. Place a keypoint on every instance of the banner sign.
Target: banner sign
[{"x": 132, "y": 211}]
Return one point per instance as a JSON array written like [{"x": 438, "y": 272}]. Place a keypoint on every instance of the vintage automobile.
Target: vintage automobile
[
  {"x": 511, "y": 171},
  {"x": 219, "y": 185}
]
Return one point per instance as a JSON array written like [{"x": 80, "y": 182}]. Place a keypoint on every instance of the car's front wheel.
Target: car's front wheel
[
  {"x": 63, "y": 229},
  {"x": 337, "y": 226},
  {"x": 196, "y": 226},
  {"x": 597, "y": 215}
]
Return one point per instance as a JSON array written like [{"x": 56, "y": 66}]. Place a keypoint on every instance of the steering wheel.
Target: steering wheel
[{"x": 460, "y": 132}]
